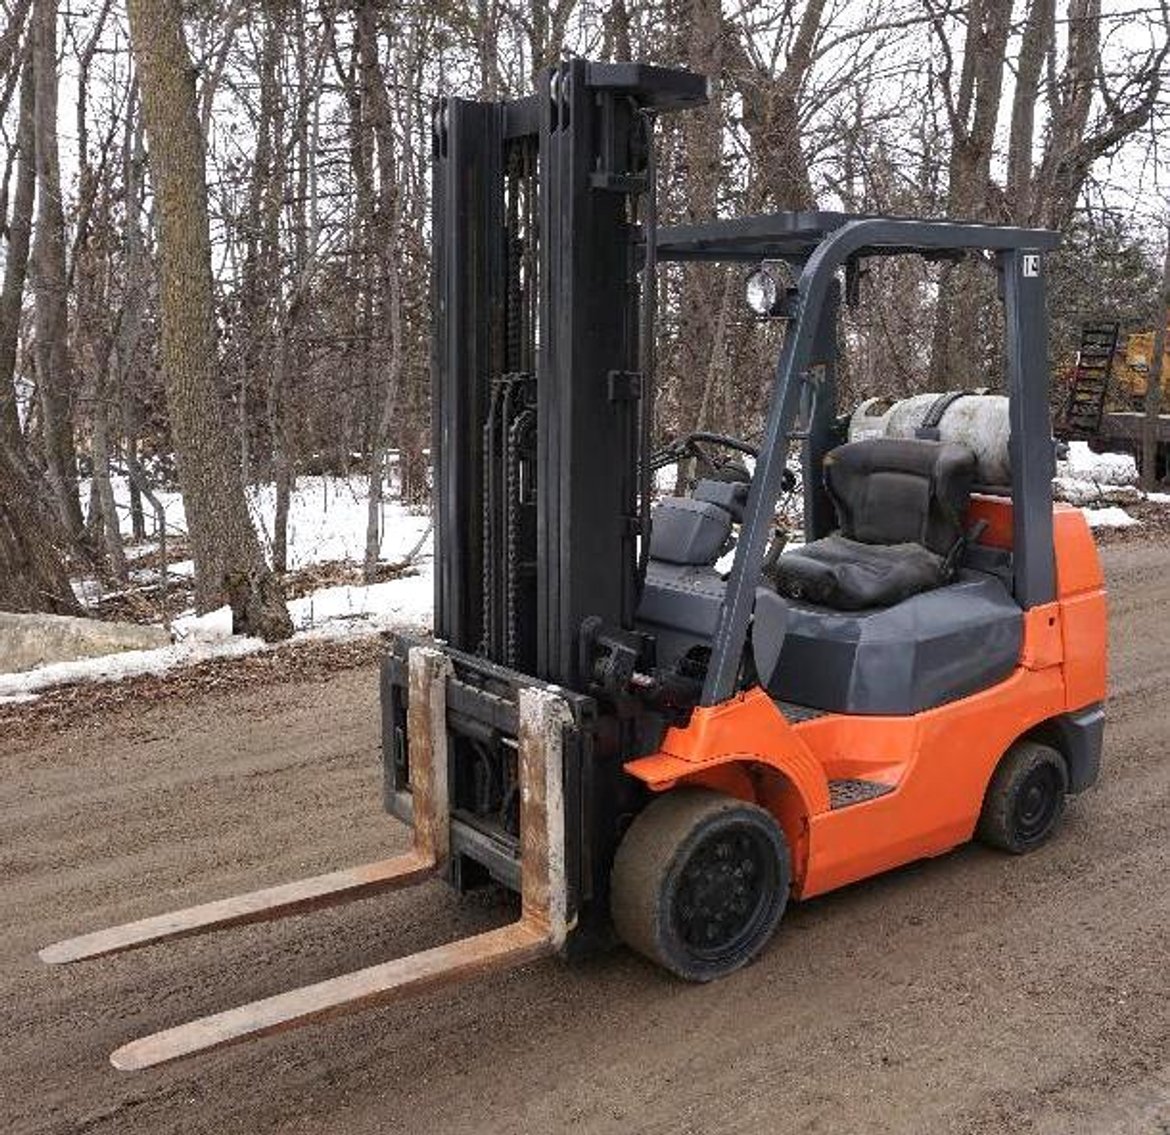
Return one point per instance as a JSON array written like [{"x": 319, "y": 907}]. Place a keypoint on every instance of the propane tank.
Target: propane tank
[{"x": 978, "y": 421}]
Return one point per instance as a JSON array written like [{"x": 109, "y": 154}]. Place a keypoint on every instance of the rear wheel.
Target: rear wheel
[
  {"x": 1025, "y": 798},
  {"x": 699, "y": 883}
]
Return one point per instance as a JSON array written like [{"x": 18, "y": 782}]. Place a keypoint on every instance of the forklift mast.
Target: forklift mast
[{"x": 541, "y": 403}]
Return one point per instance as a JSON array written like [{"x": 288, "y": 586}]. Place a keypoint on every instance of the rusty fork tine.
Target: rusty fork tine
[
  {"x": 257, "y": 906},
  {"x": 509, "y": 946},
  {"x": 428, "y": 717}
]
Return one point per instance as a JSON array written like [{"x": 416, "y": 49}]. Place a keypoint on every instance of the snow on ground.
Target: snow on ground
[
  {"x": 1100, "y": 483},
  {"x": 406, "y": 601},
  {"x": 1112, "y": 516},
  {"x": 326, "y": 519},
  {"x": 27, "y": 684},
  {"x": 1075, "y": 490},
  {"x": 1104, "y": 468},
  {"x": 327, "y": 522},
  {"x": 330, "y": 613}
]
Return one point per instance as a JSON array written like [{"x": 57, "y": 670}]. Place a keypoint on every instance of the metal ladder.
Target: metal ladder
[{"x": 1090, "y": 384}]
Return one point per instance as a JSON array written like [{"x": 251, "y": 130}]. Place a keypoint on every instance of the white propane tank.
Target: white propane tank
[{"x": 978, "y": 421}]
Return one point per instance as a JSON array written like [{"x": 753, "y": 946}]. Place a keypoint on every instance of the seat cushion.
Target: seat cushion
[{"x": 850, "y": 576}]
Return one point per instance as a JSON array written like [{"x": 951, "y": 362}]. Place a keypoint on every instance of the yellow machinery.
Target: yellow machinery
[{"x": 1133, "y": 365}]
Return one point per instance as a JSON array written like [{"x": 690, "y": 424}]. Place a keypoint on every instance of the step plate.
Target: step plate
[
  {"x": 797, "y": 713},
  {"x": 843, "y": 793}
]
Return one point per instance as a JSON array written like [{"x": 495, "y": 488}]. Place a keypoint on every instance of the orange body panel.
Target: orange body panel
[{"x": 940, "y": 761}]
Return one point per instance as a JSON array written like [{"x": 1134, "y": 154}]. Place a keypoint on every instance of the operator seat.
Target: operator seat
[
  {"x": 901, "y": 505},
  {"x": 875, "y": 619}
]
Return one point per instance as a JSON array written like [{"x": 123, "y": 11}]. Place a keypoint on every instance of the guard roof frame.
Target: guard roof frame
[{"x": 825, "y": 243}]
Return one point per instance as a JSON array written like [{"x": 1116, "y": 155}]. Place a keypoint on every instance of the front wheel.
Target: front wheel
[
  {"x": 1025, "y": 798},
  {"x": 699, "y": 883}
]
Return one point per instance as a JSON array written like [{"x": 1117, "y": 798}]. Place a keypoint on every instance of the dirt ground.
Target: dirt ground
[{"x": 973, "y": 993}]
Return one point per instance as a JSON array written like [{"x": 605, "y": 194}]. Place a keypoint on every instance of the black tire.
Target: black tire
[
  {"x": 699, "y": 883},
  {"x": 1025, "y": 799}
]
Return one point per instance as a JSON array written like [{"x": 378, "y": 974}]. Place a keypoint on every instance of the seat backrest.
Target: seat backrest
[
  {"x": 901, "y": 491},
  {"x": 731, "y": 495},
  {"x": 685, "y": 531}
]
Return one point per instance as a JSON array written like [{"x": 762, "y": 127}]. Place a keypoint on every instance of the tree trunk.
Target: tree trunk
[
  {"x": 54, "y": 377},
  {"x": 11, "y": 39},
  {"x": 1154, "y": 378},
  {"x": 383, "y": 222},
  {"x": 1034, "y": 47},
  {"x": 229, "y": 565},
  {"x": 702, "y": 159},
  {"x": 111, "y": 532},
  {"x": 271, "y": 177},
  {"x": 137, "y": 516},
  {"x": 16, "y": 260},
  {"x": 771, "y": 116},
  {"x": 973, "y": 110},
  {"x": 130, "y": 326},
  {"x": 616, "y": 45},
  {"x": 32, "y": 570}
]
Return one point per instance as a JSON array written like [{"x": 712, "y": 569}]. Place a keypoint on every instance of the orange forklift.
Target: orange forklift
[{"x": 653, "y": 720}]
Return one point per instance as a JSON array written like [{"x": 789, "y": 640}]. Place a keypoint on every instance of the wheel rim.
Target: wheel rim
[
  {"x": 1037, "y": 803},
  {"x": 725, "y": 890}
]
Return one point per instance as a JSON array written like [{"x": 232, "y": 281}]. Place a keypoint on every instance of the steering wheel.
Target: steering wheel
[{"x": 696, "y": 445}]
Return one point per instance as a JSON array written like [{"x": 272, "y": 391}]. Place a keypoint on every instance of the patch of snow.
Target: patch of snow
[
  {"x": 406, "y": 601},
  {"x": 1106, "y": 468},
  {"x": 1110, "y": 517},
  {"x": 1102, "y": 480},
  {"x": 215, "y": 626},
  {"x": 1158, "y": 498},
  {"x": 666, "y": 478},
  {"x": 114, "y": 667},
  {"x": 1077, "y": 490},
  {"x": 326, "y": 520},
  {"x": 327, "y": 614},
  {"x": 723, "y": 564}
]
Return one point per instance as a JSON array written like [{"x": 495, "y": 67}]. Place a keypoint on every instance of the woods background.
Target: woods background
[{"x": 215, "y": 235}]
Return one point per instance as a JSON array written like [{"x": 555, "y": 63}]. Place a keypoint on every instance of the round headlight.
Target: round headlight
[{"x": 762, "y": 292}]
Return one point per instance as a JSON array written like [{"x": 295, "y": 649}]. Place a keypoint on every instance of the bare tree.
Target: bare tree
[
  {"x": 229, "y": 564},
  {"x": 16, "y": 260},
  {"x": 771, "y": 94},
  {"x": 50, "y": 283},
  {"x": 971, "y": 100}
]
